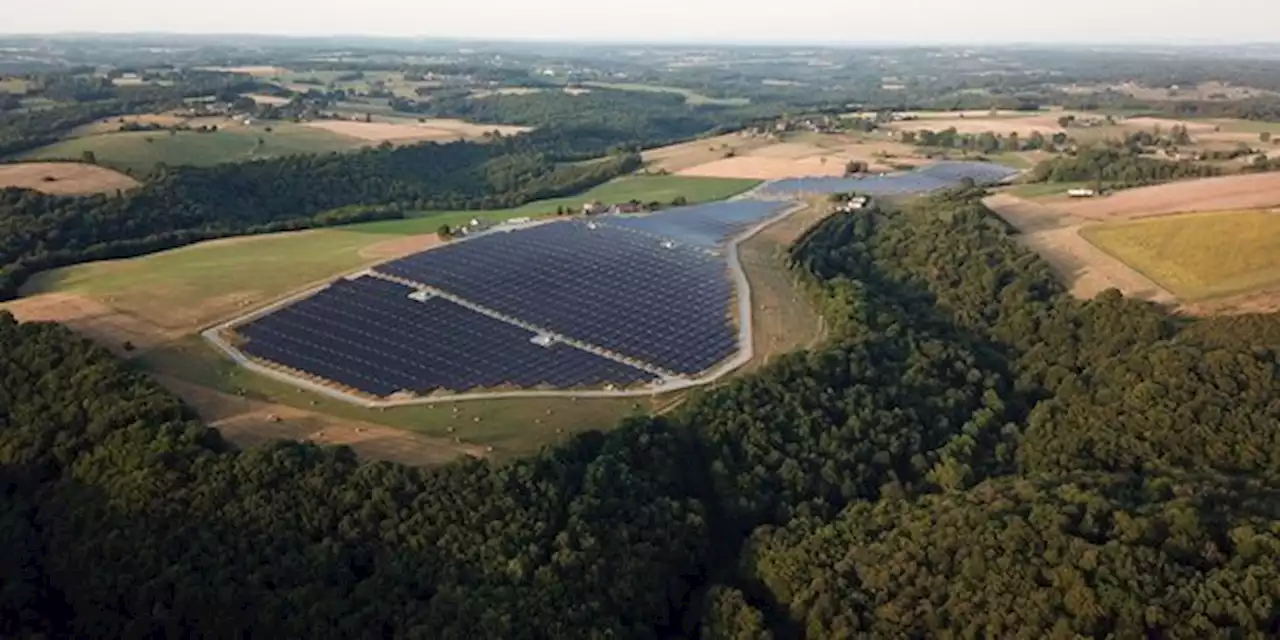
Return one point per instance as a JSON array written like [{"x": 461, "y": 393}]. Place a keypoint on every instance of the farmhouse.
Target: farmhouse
[{"x": 1082, "y": 193}]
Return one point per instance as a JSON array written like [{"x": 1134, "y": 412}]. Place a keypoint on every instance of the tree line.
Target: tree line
[
  {"x": 186, "y": 204},
  {"x": 971, "y": 452}
]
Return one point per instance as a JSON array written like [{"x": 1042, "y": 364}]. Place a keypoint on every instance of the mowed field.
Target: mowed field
[
  {"x": 140, "y": 151},
  {"x": 64, "y": 178},
  {"x": 1201, "y": 255},
  {"x": 429, "y": 129}
]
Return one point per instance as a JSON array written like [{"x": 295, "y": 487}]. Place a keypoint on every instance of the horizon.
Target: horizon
[{"x": 1180, "y": 23}]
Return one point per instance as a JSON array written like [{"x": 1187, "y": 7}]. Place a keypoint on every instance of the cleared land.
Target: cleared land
[
  {"x": 1228, "y": 193},
  {"x": 1023, "y": 125},
  {"x": 784, "y": 319},
  {"x": 63, "y": 178},
  {"x": 794, "y": 156},
  {"x": 187, "y": 288},
  {"x": 140, "y": 151},
  {"x": 1199, "y": 256},
  {"x": 1084, "y": 268},
  {"x": 429, "y": 129},
  {"x": 157, "y": 302},
  {"x": 691, "y": 97}
]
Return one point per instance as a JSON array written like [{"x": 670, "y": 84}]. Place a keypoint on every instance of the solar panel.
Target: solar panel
[
  {"x": 627, "y": 292},
  {"x": 705, "y": 225},
  {"x": 368, "y": 334}
]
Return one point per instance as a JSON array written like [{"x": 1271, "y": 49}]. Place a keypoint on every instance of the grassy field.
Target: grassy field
[
  {"x": 192, "y": 286},
  {"x": 140, "y": 151},
  {"x": 514, "y": 427},
  {"x": 643, "y": 188},
  {"x": 691, "y": 97},
  {"x": 1198, "y": 256},
  {"x": 1043, "y": 189}
]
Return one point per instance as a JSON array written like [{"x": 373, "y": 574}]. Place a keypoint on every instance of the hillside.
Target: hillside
[{"x": 970, "y": 442}]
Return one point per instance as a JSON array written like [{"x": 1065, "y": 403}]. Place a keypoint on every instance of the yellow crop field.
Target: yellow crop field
[{"x": 1200, "y": 255}]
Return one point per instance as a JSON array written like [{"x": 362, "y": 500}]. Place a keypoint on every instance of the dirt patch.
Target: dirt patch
[
  {"x": 92, "y": 319},
  {"x": 429, "y": 129},
  {"x": 399, "y": 247},
  {"x": 1210, "y": 194},
  {"x": 64, "y": 178},
  {"x": 250, "y": 423},
  {"x": 1254, "y": 302}
]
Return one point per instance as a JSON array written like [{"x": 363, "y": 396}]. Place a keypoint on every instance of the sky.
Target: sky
[{"x": 848, "y": 22}]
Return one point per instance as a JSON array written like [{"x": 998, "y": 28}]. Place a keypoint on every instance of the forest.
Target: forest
[
  {"x": 972, "y": 453},
  {"x": 1117, "y": 167}
]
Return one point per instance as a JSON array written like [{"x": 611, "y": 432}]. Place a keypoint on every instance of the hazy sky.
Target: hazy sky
[{"x": 829, "y": 21}]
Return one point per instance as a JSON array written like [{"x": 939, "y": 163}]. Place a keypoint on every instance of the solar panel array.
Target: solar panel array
[
  {"x": 931, "y": 178},
  {"x": 645, "y": 288},
  {"x": 623, "y": 291},
  {"x": 704, "y": 225},
  {"x": 368, "y": 334}
]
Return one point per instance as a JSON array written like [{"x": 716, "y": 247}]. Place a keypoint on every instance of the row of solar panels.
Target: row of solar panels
[
  {"x": 369, "y": 335},
  {"x": 625, "y": 292}
]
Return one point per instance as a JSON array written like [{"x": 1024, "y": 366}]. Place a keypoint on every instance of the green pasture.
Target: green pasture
[{"x": 141, "y": 151}]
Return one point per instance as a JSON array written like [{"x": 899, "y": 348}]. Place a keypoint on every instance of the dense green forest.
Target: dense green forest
[
  {"x": 973, "y": 453},
  {"x": 1117, "y": 167}
]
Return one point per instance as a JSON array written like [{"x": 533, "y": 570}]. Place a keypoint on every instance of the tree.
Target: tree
[
  {"x": 1265, "y": 136},
  {"x": 444, "y": 232},
  {"x": 88, "y": 157}
]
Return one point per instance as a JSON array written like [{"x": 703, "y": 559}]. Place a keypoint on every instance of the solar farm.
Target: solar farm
[{"x": 603, "y": 305}]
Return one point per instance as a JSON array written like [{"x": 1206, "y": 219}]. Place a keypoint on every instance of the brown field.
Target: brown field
[
  {"x": 802, "y": 156},
  {"x": 262, "y": 98},
  {"x": 259, "y": 71},
  {"x": 92, "y": 319},
  {"x": 677, "y": 157},
  {"x": 1025, "y": 125},
  {"x": 112, "y": 124},
  {"x": 1211, "y": 194},
  {"x": 69, "y": 178},
  {"x": 249, "y": 423},
  {"x": 430, "y": 129},
  {"x": 1084, "y": 268},
  {"x": 400, "y": 246},
  {"x": 1205, "y": 91}
]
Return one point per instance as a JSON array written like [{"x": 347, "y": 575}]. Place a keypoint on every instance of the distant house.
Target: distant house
[
  {"x": 1082, "y": 193},
  {"x": 594, "y": 208},
  {"x": 628, "y": 207}
]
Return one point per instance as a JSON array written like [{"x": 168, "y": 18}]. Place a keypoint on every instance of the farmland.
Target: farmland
[
  {"x": 63, "y": 178},
  {"x": 443, "y": 129},
  {"x": 141, "y": 151},
  {"x": 691, "y": 97},
  {"x": 1213, "y": 194},
  {"x": 1199, "y": 256}
]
